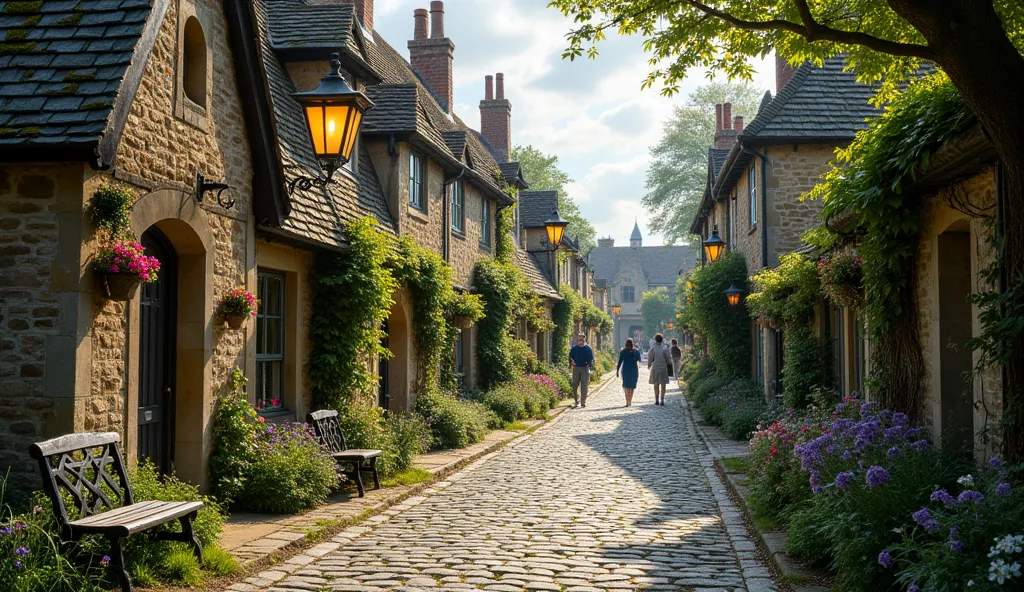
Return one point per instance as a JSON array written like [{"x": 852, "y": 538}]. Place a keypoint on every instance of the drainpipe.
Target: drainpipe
[{"x": 446, "y": 229}]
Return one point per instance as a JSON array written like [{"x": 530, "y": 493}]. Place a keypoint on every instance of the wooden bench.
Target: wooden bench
[
  {"x": 88, "y": 471},
  {"x": 328, "y": 430}
]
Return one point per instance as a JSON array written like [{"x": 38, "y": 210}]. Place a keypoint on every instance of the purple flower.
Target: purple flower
[
  {"x": 900, "y": 419},
  {"x": 995, "y": 462},
  {"x": 954, "y": 539},
  {"x": 886, "y": 415},
  {"x": 22, "y": 551},
  {"x": 105, "y": 560},
  {"x": 5, "y": 530},
  {"x": 847, "y": 455},
  {"x": 894, "y": 433},
  {"x": 894, "y": 452},
  {"x": 943, "y": 496},
  {"x": 884, "y": 559},
  {"x": 841, "y": 407},
  {"x": 920, "y": 445},
  {"x": 816, "y": 489},
  {"x": 956, "y": 546},
  {"x": 867, "y": 410},
  {"x": 924, "y": 519},
  {"x": 844, "y": 479},
  {"x": 17, "y": 564},
  {"x": 877, "y": 476},
  {"x": 914, "y": 588},
  {"x": 1004, "y": 490},
  {"x": 970, "y": 495},
  {"x": 815, "y": 477}
]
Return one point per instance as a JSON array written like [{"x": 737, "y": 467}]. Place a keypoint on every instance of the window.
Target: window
[
  {"x": 270, "y": 341},
  {"x": 627, "y": 294},
  {"x": 752, "y": 188},
  {"x": 416, "y": 170},
  {"x": 193, "y": 62},
  {"x": 458, "y": 207},
  {"x": 834, "y": 332},
  {"x": 485, "y": 222}
]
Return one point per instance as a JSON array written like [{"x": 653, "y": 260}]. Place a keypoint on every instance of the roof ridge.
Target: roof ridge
[{"x": 766, "y": 115}]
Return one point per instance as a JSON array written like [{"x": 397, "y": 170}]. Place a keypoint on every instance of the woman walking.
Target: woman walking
[
  {"x": 660, "y": 363},
  {"x": 677, "y": 359},
  {"x": 628, "y": 359}
]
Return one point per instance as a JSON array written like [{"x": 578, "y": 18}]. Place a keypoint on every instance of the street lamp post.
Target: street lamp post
[{"x": 714, "y": 246}]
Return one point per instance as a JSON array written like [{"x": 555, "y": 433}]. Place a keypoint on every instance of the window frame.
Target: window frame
[
  {"x": 752, "y": 191},
  {"x": 457, "y": 207},
  {"x": 485, "y": 222},
  {"x": 417, "y": 181},
  {"x": 632, "y": 294},
  {"x": 264, "y": 359}
]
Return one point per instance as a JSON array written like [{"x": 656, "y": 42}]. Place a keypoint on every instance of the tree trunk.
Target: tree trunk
[{"x": 971, "y": 46}]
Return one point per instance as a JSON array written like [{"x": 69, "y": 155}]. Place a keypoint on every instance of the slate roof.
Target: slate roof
[
  {"x": 63, "y": 64},
  {"x": 315, "y": 214},
  {"x": 295, "y": 24},
  {"x": 818, "y": 103},
  {"x": 536, "y": 207},
  {"x": 660, "y": 265},
  {"x": 716, "y": 158},
  {"x": 540, "y": 283},
  {"x": 513, "y": 173}
]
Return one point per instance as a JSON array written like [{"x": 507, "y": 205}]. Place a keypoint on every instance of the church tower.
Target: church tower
[{"x": 636, "y": 240}]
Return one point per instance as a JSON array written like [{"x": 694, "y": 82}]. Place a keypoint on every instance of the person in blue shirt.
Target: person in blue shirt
[
  {"x": 629, "y": 357},
  {"x": 581, "y": 360}
]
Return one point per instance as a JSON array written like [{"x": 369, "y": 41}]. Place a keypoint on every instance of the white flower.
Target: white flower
[
  {"x": 966, "y": 481},
  {"x": 970, "y": 583},
  {"x": 1015, "y": 570},
  {"x": 997, "y": 571}
]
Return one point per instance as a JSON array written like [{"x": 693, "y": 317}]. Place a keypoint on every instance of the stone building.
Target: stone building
[
  {"x": 627, "y": 272},
  {"x": 758, "y": 173},
  {"x": 150, "y": 94}
]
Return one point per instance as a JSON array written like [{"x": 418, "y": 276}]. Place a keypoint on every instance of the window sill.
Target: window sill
[
  {"x": 459, "y": 234},
  {"x": 278, "y": 415},
  {"x": 486, "y": 248},
  {"x": 417, "y": 214}
]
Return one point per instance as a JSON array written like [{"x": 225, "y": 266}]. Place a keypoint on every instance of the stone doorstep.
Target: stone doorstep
[{"x": 252, "y": 538}]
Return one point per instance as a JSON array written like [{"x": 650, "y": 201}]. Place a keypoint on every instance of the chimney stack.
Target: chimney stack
[
  {"x": 725, "y": 135},
  {"x": 783, "y": 72},
  {"x": 496, "y": 119},
  {"x": 432, "y": 58},
  {"x": 488, "y": 88},
  {"x": 738, "y": 125}
]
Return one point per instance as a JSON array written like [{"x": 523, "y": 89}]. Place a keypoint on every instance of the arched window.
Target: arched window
[{"x": 193, "y": 72}]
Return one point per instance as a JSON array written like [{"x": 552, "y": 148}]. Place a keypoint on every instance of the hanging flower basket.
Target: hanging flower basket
[
  {"x": 120, "y": 266},
  {"x": 842, "y": 278},
  {"x": 237, "y": 306}
]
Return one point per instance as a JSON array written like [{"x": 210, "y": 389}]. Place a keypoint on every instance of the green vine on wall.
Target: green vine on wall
[
  {"x": 111, "y": 210},
  {"x": 352, "y": 295},
  {"x": 567, "y": 312},
  {"x": 867, "y": 188},
  {"x": 503, "y": 288},
  {"x": 725, "y": 328}
]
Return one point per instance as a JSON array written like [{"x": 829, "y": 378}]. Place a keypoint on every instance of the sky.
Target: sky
[{"x": 592, "y": 114}]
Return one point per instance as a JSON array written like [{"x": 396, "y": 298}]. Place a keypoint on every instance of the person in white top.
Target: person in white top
[{"x": 659, "y": 361}]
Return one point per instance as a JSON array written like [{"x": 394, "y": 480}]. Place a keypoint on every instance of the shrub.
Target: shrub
[
  {"x": 546, "y": 387},
  {"x": 559, "y": 375},
  {"x": 725, "y": 328},
  {"x": 702, "y": 390},
  {"x": 219, "y": 562},
  {"x": 520, "y": 354},
  {"x": 401, "y": 436},
  {"x": 506, "y": 402},
  {"x": 179, "y": 565},
  {"x": 453, "y": 423},
  {"x": 968, "y": 537},
  {"x": 777, "y": 483},
  {"x": 235, "y": 424},
  {"x": 803, "y": 370},
  {"x": 291, "y": 472},
  {"x": 742, "y": 416}
]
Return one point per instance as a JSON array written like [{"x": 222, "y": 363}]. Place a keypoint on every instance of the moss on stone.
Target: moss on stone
[
  {"x": 66, "y": 90},
  {"x": 16, "y": 48},
  {"x": 75, "y": 77},
  {"x": 23, "y": 7},
  {"x": 28, "y": 75},
  {"x": 16, "y": 35},
  {"x": 32, "y": 20},
  {"x": 72, "y": 19},
  {"x": 97, "y": 105},
  {"x": 25, "y": 132}
]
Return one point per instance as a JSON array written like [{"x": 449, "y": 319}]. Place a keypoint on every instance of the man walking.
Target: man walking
[{"x": 581, "y": 359}]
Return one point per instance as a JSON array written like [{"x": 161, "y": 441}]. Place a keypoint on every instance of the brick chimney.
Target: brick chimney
[
  {"x": 364, "y": 9},
  {"x": 783, "y": 72},
  {"x": 496, "y": 117},
  {"x": 725, "y": 136},
  {"x": 737, "y": 124},
  {"x": 606, "y": 242},
  {"x": 432, "y": 58}
]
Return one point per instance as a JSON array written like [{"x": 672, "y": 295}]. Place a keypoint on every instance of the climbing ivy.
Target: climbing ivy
[
  {"x": 725, "y": 328},
  {"x": 112, "y": 210},
  {"x": 503, "y": 288},
  {"x": 568, "y": 311},
  {"x": 352, "y": 295}
]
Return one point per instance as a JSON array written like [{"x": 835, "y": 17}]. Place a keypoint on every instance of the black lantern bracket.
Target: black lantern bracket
[
  {"x": 307, "y": 183},
  {"x": 203, "y": 186}
]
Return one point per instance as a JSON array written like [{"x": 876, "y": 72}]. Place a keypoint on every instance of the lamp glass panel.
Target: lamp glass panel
[
  {"x": 714, "y": 251},
  {"x": 353, "y": 132},
  {"x": 315, "y": 118},
  {"x": 555, "y": 232},
  {"x": 337, "y": 121},
  {"x": 734, "y": 299}
]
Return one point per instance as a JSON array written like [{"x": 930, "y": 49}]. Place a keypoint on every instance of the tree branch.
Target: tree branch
[{"x": 812, "y": 30}]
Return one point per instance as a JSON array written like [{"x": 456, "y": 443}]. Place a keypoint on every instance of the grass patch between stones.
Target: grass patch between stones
[{"x": 410, "y": 476}]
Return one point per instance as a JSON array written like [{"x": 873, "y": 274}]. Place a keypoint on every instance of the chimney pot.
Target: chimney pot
[
  {"x": 718, "y": 117},
  {"x": 500, "y": 86},
  {"x": 783, "y": 72},
  {"x": 488, "y": 88},
  {"x": 738, "y": 124},
  {"x": 420, "y": 23},
  {"x": 496, "y": 119},
  {"x": 437, "y": 19},
  {"x": 727, "y": 116}
]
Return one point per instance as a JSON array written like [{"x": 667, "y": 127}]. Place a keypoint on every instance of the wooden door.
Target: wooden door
[{"x": 158, "y": 347}]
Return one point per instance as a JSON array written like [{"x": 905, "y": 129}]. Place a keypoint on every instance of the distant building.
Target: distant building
[{"x": 630, "y": 271}]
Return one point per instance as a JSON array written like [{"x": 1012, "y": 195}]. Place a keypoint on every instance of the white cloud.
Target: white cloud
[{"x": 592, "y": 114}]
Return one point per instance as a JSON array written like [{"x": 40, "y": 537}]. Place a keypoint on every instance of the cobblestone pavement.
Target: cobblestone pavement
[{"x": 606, "y": 498}]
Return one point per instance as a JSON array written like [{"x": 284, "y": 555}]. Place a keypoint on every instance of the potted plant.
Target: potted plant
[
  {"x": 238, "y": 305},
  {"x": 120, "y": 266},
  {"x": 842, "y": 278}
]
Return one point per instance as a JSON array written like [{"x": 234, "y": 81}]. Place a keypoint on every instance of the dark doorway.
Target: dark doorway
[
  {"x": 158, "y": 345},
  {"x": 954, "y": 333},
  {"x": 383, "y": 396}
]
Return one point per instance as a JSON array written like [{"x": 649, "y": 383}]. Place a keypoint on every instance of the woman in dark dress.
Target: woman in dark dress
[{"x": 629, "y": 357}]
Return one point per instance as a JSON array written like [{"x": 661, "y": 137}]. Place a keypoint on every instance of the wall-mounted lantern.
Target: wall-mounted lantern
[
  {"x": 733, "y": 294},
  {"x": 714, "y": 246}
]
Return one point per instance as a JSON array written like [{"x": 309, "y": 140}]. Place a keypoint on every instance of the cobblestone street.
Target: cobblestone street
[{"x": 606, "y": 498}]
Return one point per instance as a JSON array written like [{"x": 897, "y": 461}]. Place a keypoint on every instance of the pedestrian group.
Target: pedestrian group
[{"x": 663, "y": 361}]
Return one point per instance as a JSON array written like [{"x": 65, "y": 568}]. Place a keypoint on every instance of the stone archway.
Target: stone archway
[
  {"x": 187, "y": 228},
  {"x": 401, "y": 367}
]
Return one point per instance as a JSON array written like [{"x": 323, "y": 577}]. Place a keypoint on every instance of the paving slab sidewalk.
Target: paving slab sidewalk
[{"x": 253, "y": 537}]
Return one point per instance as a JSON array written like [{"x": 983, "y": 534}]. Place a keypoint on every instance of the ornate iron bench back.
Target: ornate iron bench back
[
  {"x": 328, "y": 429},
  {"x": 85, "y": 468}
]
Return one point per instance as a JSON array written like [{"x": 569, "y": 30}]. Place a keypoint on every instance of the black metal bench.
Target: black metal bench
[
  {"x": 328, "y": 430},
  {"x": 88, "y": 470}
]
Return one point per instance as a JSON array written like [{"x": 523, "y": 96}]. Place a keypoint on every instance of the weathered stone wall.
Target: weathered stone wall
[
  {"x": 937, "y": 217},
  {"x": 38, "y": 311},
  {"x": 791, "y": 174}
]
